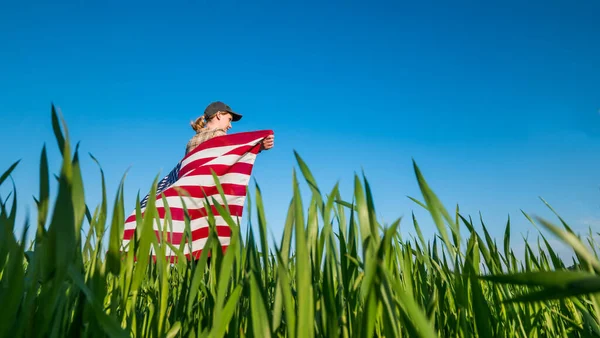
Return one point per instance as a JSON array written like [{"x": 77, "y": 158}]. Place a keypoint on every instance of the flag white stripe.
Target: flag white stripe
[
  {"x": 179, "y": 226},
  {"x": 198, "y": 202},
  {"x": 192, "y": 203},
  {"x": 229, "y": 160},
  {"x": 215, "y": 152},
  {"x": 196, "y": 245},
  {"x": 232, "y": 159},
  {"x": 209, "y": 181}
]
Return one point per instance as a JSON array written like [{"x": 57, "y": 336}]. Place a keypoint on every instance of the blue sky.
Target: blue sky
[{"x": 498, "y": 103}]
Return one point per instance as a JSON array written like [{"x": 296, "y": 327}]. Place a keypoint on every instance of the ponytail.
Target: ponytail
[{"x": 199, "y": 123}]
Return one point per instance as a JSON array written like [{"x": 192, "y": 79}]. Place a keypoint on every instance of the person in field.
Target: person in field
[{"x": 216, "y": 121}]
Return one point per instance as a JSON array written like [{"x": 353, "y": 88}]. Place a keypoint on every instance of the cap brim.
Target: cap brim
[{"x": 236, "y": 116}]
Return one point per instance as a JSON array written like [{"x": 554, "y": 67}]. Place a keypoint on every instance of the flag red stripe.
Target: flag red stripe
[
  {"x": 178, "y": 214},
  {"x": 194, "y": 164},
  {"x": 175, "y": 237},
  {"x": 229, "y": 189},
  {"x": 220, "y": 169},
  {"x": 241, "y": 150},
  {"x": 237, "y": 138}
]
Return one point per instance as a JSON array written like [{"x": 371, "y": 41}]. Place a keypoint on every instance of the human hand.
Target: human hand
[{"x": 268, "y": 143}]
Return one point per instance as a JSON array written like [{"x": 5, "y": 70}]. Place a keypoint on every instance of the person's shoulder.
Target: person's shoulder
[{"x": 219, "y": 132}]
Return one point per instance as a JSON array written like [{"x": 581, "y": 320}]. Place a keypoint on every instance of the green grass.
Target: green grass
[{"x": 336, "y": 272}]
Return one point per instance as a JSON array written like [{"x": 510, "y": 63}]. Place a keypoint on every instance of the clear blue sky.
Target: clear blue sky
[{"x": 498, "y": 104}]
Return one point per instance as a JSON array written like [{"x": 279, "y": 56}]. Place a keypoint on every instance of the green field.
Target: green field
[{"x": 336, "y": 272}]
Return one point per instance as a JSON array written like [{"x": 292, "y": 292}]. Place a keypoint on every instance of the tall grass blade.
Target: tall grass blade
[
  {"x": 305, "y": 301},
  {"x": 8, "y": 171},
  {"x": 437, "y": 211}
]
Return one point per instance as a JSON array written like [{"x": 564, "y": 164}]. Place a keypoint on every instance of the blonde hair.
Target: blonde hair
[{"x": 201, "y": 122}]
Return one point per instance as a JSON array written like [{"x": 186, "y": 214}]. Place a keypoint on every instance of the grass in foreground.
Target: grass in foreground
[{"x": 347, "y": 276}]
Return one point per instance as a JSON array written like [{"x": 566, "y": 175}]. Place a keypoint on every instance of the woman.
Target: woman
[{"x": 216, "y": 121}]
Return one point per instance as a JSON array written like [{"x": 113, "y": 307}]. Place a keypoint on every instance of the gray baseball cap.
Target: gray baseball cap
[{"x": 218, "y": 106}]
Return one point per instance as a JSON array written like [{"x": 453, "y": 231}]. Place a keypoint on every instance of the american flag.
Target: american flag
[{"x": 232, "y": 158}]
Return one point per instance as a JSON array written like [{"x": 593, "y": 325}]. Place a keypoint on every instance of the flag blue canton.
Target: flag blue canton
[{"x": 166, "y": 182}]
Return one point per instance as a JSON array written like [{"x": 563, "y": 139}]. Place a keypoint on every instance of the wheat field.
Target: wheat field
[{"x": 335, "y": 272}]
